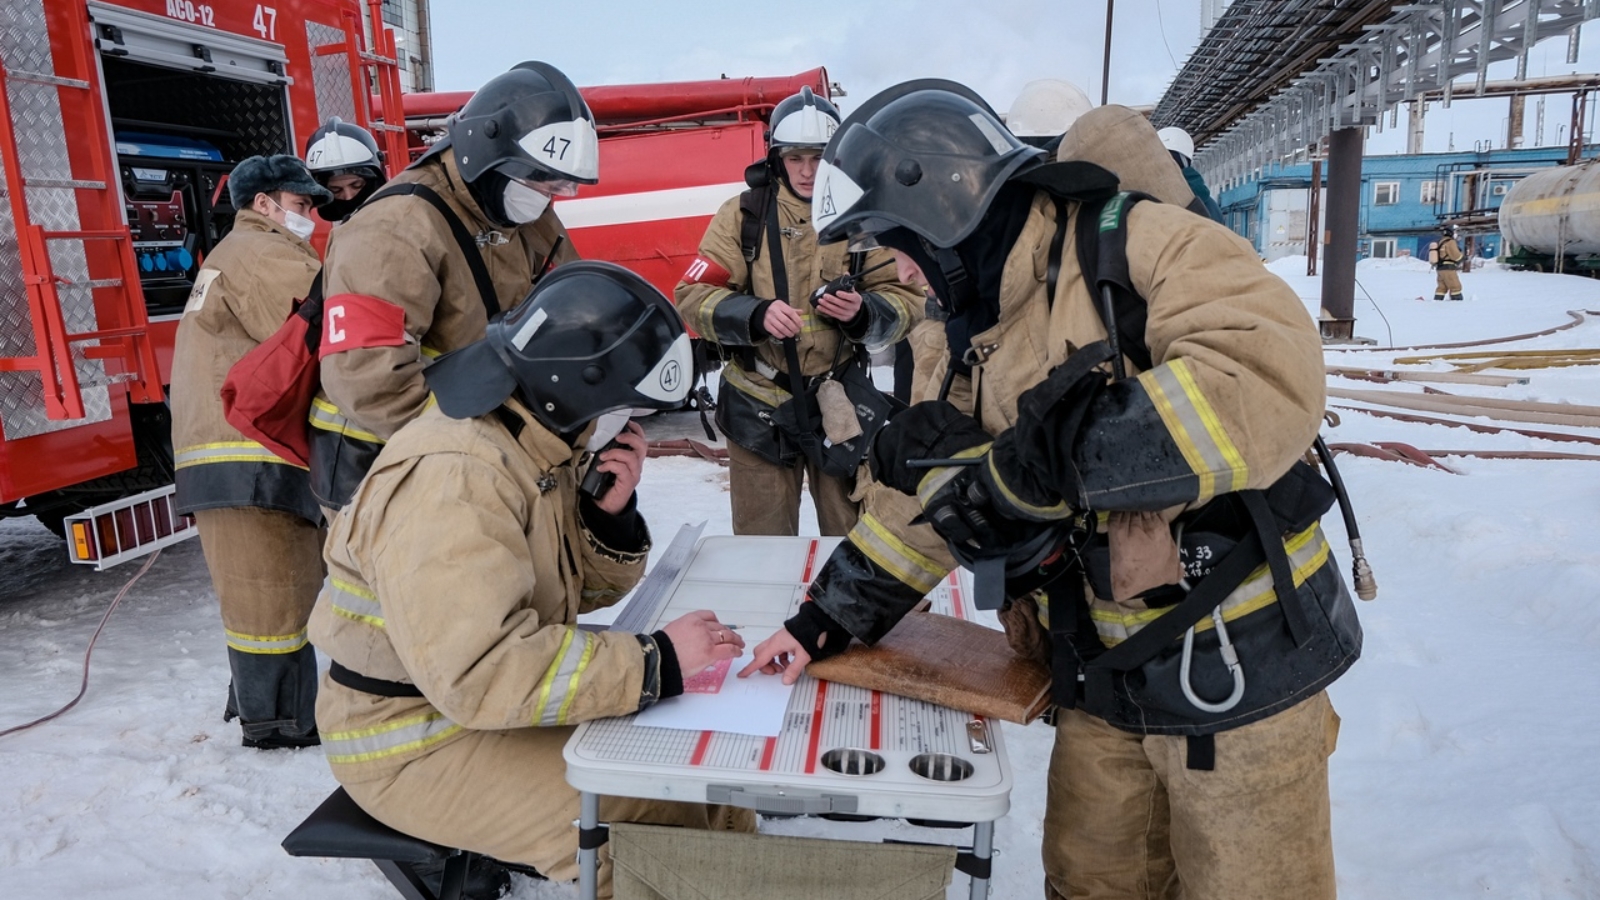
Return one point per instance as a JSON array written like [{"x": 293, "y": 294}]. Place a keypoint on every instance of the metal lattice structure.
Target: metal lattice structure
[{"x": 1273, "y": 77}]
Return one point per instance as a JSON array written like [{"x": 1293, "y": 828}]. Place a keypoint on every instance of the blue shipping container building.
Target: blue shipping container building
[{"x": 1403, "y": 198}]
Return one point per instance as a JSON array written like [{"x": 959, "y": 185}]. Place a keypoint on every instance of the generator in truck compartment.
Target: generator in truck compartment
[{"x": 119, "y": 122}]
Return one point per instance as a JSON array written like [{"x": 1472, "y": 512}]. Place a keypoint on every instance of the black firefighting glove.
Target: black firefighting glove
[
  {"x": 1034, "y": 469},
  {"x": 932, "y": 429}
]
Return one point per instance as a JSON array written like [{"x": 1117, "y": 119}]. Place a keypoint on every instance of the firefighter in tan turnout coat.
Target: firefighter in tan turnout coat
[
  {"x": 257, "y": 519},
  {"x": 1447, "y": 258},
  {"x": 737, "y": 305},
  {"x": 458, "y": 570},
  {"x": 400, "y": 285},
  {"x": 1140, "y": 504}
]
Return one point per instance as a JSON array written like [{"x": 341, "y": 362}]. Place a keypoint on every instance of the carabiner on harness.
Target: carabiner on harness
[{"x": 1230, "y": 656}]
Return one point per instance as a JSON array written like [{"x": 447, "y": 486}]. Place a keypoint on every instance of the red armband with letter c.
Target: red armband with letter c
[{"x": 359, "y": 321}]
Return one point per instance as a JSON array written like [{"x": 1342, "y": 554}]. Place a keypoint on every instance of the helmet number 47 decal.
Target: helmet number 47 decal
[{"x": 553, "y": 152}]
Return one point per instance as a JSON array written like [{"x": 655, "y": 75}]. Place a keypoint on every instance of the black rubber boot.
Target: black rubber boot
[
  {"x": 277, "y": 740},
  {"x": 487, "y": 879}
]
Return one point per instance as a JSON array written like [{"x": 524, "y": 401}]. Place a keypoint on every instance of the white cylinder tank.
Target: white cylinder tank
[{"x": 1556, "y": 211}]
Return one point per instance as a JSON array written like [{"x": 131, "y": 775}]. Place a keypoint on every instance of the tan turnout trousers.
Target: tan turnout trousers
[
  {"x": 1129, "y": 818},
  {"x": 766, "y": 496}
]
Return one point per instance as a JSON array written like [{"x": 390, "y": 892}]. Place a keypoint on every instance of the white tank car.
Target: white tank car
[{"x": 1556, "y": 211}]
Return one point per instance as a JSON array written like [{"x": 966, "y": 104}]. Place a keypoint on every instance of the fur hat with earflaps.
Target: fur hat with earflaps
[{"x": 267, "y": 174}]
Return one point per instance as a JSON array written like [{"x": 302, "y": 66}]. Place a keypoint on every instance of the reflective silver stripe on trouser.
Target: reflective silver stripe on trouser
[
  {"x": 270, "y": 644},
  {"x": 393, "y": 738},
  {"x": 559, "y": 687},
  {"x": 227, "y": 451},
  {"x": 353, "y": 601}
]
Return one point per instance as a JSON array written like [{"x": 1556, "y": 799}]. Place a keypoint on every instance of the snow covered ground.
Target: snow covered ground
[{"x": 1467, "y": 763}]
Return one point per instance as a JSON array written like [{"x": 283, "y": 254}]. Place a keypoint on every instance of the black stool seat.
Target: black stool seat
[{"x": 340, "y": 828}]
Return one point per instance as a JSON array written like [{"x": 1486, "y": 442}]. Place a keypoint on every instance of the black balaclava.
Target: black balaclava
[
  {"x": 338, "y": 210},
  {"x": 968, "y": 286}
]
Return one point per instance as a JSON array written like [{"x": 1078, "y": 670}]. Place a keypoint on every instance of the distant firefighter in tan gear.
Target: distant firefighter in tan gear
[
  {"x": 257, "y": 518},
  {"x": 1446, "y": 258},
  {"x": 459, "y": 569},
  {"x": 750, "y": 299}
]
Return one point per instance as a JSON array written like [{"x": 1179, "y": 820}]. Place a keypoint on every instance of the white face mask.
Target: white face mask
[
  {"x": 607, "y": 426},
  {"x": 523, "y": 204},
  {"x": 298, "y": 225}
]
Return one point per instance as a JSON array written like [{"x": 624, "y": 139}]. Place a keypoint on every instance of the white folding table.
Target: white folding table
[{"x": 843, "y": 749}]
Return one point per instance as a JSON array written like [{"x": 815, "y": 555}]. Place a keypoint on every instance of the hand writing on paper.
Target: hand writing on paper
[{"x": 701, "y": 641}]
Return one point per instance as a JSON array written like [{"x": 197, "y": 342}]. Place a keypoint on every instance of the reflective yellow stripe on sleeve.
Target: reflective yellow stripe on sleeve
[
  {"x": 266, "y": 644},
  {"x": 559, "y": 687},
  {"x": 896, "y": 557},
  {"x": 326, "y": 416},
  {"x": 389, "y": 739},
  {"x": 353, "y": 601},
  {"x": 1195, "y": 428},
  {"x": 938, "y": 478},
  {"x": 704, "y": 323},
  {"x": 228, "y": 452},
  {"x": 1308, "y": 551}
]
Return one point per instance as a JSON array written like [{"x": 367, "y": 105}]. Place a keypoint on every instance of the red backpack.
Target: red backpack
[{"x": 269, "y": 390}]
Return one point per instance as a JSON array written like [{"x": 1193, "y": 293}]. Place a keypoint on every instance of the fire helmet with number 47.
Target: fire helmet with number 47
[
  {"x": 529, "y": 123},
  {"x": 529, "y": 126},
  {"x": 342, "y": 148},
  {"x": 590, "y": 339}
]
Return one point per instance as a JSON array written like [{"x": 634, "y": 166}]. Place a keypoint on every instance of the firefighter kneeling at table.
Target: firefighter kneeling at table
[
  {"x": 459, "y": 568},
  {"x": 1137, "y": 503},
  {"x": 257, "y": 518}
]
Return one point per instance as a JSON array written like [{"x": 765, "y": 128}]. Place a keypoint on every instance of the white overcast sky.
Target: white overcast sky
[{"x": 994, "y": 46}]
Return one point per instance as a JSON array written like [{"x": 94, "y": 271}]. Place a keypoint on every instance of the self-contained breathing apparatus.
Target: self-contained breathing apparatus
[{"x": 1149, "y": 681}]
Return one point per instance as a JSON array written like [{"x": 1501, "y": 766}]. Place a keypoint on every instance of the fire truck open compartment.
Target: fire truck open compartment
[
  {"x": 177, "y": 135},
  {"x": 239, "y": 118}
]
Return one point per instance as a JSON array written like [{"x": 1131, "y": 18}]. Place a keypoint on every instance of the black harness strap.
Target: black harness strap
[
  {"x": 1266, "y": 528},
  {"x": 310, "y": 309},
  {"x": 358, "y": 682},
  {"x": 1053, "y": 273},
  {"x": 756, "y": 204},
  {"x": 469, "y": 244},
  {"x": 1102, "y": 243}
]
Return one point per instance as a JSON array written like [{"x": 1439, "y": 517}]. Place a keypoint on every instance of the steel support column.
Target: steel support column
[{"x": 1344, "y": 223}]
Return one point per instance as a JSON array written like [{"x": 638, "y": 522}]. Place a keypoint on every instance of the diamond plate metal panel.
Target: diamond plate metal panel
[
  {"x": 42, "y": 147},
  {"x": 330, "y": 75},
  {"x": 23, "y": 37}
]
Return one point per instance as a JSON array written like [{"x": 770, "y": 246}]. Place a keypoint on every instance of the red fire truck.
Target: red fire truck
[{"x": 119, "y": 121}]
